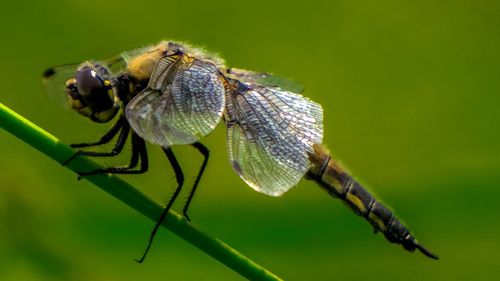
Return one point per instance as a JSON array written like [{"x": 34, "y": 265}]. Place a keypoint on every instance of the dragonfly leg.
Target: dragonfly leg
[
  {"x": 179, "y": 176},
  {"x": 120, "y": 143},
  {"x": 205, "y": 152},
  {"x": 138, "y": 151},
  {"x": 106, "y": 138}
]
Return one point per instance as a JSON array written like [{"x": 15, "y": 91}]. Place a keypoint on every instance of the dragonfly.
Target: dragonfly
[{"x": 172, "y": 93}]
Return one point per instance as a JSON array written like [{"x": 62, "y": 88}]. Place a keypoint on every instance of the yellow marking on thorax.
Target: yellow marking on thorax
[
  {"x": 186, "y": 59},
  {"x": 142, "y": 66}
]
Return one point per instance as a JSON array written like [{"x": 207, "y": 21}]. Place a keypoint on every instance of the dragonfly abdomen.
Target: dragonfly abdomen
[{"x": 332, "y": 178}]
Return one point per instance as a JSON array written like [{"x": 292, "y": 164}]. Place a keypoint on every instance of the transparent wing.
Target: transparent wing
[
  {"x": 54, "y": 83},
  {"x": 54, "y": 79},
  {"x": 182, "y": 109},
  {"x": 266, "y": 79},
  {"x": 269, "y": 134},
  {"x": 119, "y": 62}
]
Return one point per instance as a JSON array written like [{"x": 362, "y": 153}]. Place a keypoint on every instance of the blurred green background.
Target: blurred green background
[{"x": 411, "y": 93}]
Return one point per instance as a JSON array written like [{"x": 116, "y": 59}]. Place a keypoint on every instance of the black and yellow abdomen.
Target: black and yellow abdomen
[{"x": 329, "y": 175}]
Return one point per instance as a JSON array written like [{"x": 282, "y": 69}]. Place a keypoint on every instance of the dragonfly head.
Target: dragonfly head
[{"x": 91, "y": 93}]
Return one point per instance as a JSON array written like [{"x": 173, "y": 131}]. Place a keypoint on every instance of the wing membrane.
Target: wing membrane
[
  {"x": 269, "y": 135},
  {"x": 182, "y": 110},
  {"x": 266, "y": 79},
  {"x": 54, "y": 82}
]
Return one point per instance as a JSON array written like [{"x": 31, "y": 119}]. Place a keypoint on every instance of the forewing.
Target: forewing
[
  {"x": 118, "y": 63},
  {"x": 54, "y": 83},
  {"x": 180, "y": 110},
  {"x": 266, "y": 79},
  {"x": 269, "y": 135}
]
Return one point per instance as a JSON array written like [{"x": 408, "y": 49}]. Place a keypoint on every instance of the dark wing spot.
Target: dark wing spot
[{"x": 48, "y": 73}]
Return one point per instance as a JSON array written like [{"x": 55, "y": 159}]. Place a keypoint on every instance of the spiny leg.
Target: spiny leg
[
  {"x": 179, "y": 176},
  {"x": 107, "y": 137},
  {"x": 138, "y": 151},
  {"x": 205, "y": 152},
  {"x": 124, "y": 129}
]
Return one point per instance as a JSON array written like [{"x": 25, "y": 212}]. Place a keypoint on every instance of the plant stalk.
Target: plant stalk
[{"x": 49, "y": 145}]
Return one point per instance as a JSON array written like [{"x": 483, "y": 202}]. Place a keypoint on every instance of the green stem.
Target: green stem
[{"x": 53, "y": 148}]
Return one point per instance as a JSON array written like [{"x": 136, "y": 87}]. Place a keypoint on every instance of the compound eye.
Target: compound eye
[
  {"x": 94, "y": 91},
  {"x": 89, "y": 83}
]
